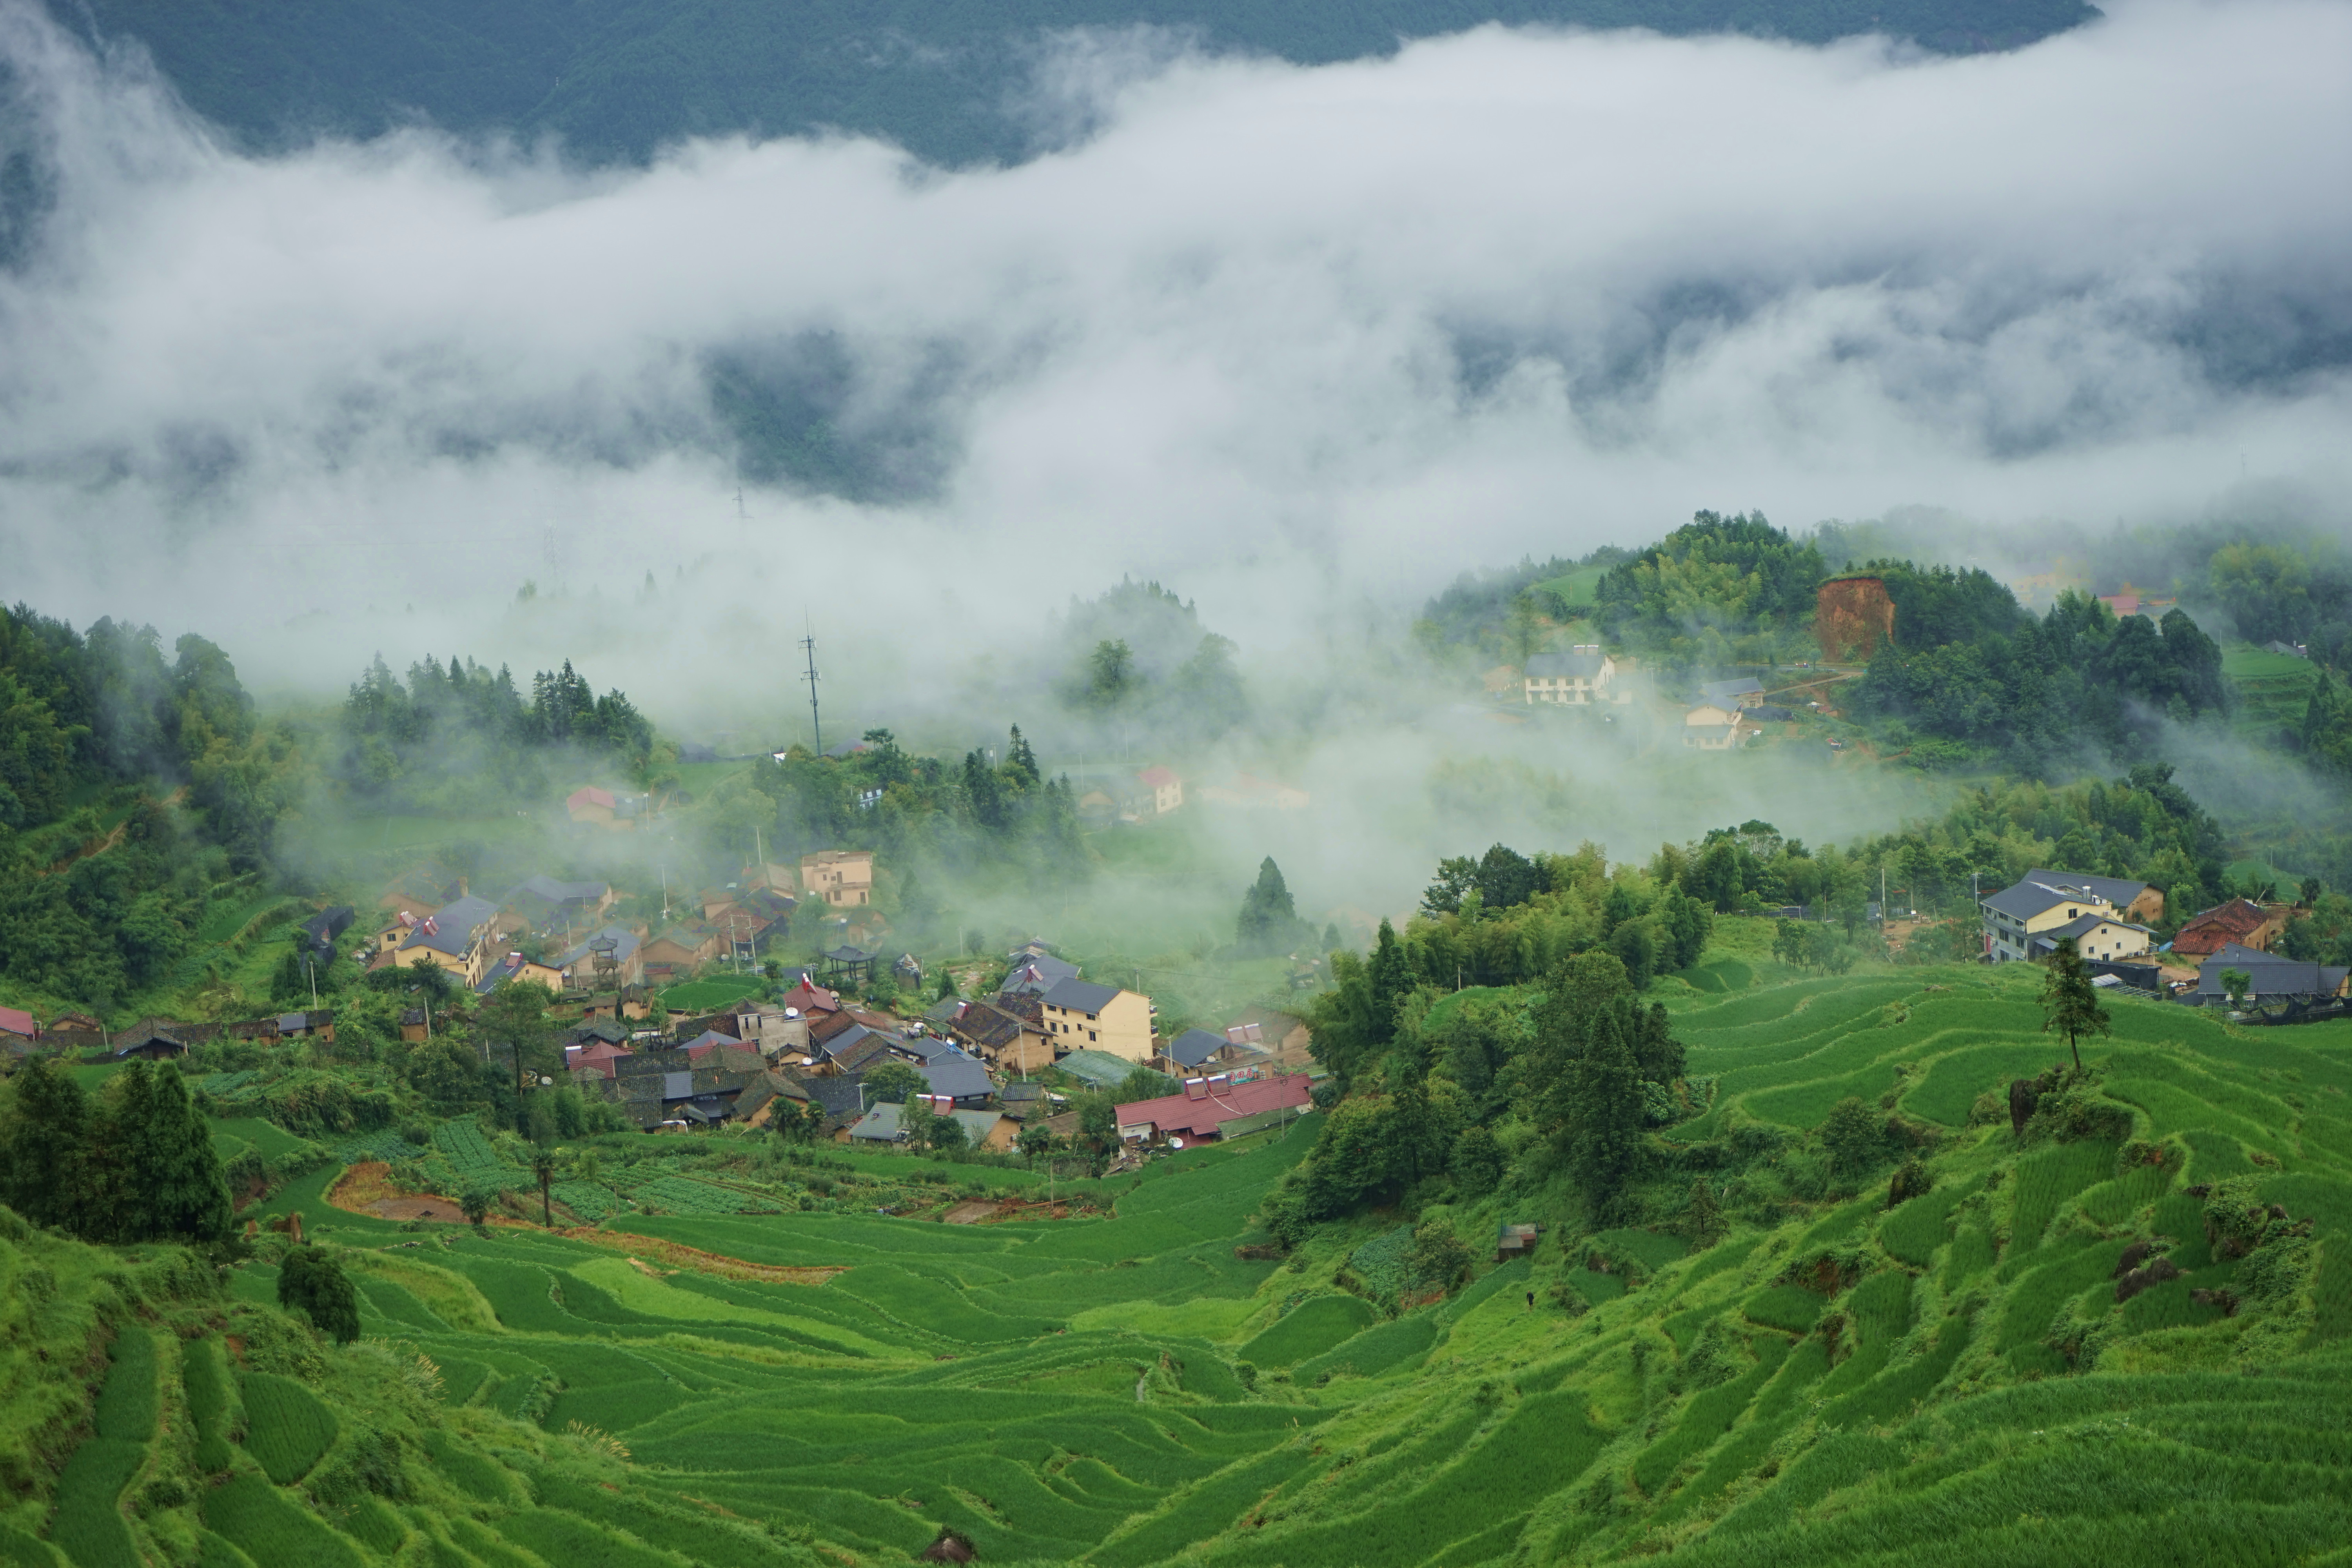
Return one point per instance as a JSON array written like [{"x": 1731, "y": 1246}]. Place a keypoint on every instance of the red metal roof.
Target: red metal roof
[
  {"x": 591, "y": 795},
  {"x": 14, "y": 1021},
  {"x": 1180, "y": 1113},
  {"x": 1158, "y": 778}
]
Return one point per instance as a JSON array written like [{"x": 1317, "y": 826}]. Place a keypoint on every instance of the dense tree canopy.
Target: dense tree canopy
[
  {"x": 463, "y": 737},
  {"x": 2081, "y": 685}
]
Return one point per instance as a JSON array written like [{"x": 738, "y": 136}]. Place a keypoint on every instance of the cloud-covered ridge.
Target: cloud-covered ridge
[{"x": 1270, "y": 333}]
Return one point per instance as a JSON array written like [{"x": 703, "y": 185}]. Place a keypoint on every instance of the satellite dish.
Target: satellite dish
[{"x": 1175, "y": 1142}]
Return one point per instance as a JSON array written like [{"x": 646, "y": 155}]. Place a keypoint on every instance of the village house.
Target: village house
[
  {"x": 986, "y": 1130},
  {"x": 2269, "y": 978},
  {"x": 150, "y": 1042},
  {"x": 1078, "y": 1013},
  {"x": 511, "y": 964},
  {"x": 1038, "y": 972},
  {"x": 421, "y": 887},
  {"x": 545, "y": 904},
  {"x": 17, "y": 1024},
  {"x": 458, "y": 937},
  {"x": 1167, "y": 791},
  {"x": 2044, "y": 900},
  {"x": 1284, "y": 1037},
  {"x": 606, "y": 809},
  {"x": 1007, "y": 1040},
  {"x": 809, "y": 999},
  {"x": 1577, "y": 679},
  {"x": 1254, "y": 793},
  {"x": 681, "y": 950},
  {"x": 2240, "y": 921},
  {"x": 1745, "y": 692},
  {"x": 1197, "y": 1050},
  {"x": 321, "y": 931},
  {"x": 1715, "y": 727},
  {"x": 2097, "y": 936},
  {"x": 842, "y": 877},
  {"x": 1215, "y": 1108}
]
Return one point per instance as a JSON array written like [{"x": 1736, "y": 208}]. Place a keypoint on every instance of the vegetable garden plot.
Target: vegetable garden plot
[
  {"x": 474, "y": 1158},
  {"x": 683, "y": 1196}
]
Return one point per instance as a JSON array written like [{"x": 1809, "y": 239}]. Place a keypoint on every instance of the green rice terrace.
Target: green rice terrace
[{"x": 2125, "y": 1336}]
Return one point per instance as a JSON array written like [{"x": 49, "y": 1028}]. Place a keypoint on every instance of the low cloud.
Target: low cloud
[{"x": 1302, "y": 343}]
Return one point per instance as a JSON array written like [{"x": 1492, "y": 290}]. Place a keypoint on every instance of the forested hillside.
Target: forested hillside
[{"x": 617, "y": 78}]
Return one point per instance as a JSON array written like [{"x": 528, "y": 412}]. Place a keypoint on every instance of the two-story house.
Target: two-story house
[
  {"x": 1715, "y": 727},
  {"x": 842, "y": 877},
  {"x": 1078, "y": 1015},
  {"x": 1579, "y": 677},
  {"x": 456, "y": 936},
  {"x": 2027, "y": 920}
]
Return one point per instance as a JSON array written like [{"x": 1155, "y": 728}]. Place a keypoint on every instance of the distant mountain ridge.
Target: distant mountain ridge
[{"x": 615, "y": 80}]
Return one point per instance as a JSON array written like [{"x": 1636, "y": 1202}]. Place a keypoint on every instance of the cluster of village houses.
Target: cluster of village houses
[
  {"x": 2108, "y": 920},
  {"x": 1727, "y": 715},
  {"x": 811, "y": 1050}
]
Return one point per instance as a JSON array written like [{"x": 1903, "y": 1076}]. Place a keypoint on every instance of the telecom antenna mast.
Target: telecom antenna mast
[{"x": 815, "y": 723}]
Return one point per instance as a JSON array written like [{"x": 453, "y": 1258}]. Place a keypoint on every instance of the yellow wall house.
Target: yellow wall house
[
  {"x": 456, "y": 936},
  {"x": 842, "y": 877},
  {"x": 1166, "y": 789},
  {"x": 2026, "y": 920},
  {"x": 1714, "y": 727},
  {"x": 1081, "y": 1016}
]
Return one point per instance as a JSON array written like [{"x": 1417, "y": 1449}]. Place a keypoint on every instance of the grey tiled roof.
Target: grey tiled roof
[{"x": 1080, "y": 996}]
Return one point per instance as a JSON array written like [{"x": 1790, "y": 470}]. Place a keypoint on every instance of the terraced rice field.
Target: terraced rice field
[{"x": 1950, "y": 1380}]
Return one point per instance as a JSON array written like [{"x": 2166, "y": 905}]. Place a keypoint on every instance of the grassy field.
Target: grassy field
[{"x": 1950, "y": 1381}]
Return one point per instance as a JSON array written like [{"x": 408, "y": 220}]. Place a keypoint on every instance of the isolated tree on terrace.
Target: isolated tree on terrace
[
  {"x": 2070, "y": 1001},
  {"x": 312, "y": 1280},
  {"x": 543, "y": 1168}
]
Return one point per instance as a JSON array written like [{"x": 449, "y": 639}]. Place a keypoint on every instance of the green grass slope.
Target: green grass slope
[{"x": 1952, "y": 1380}]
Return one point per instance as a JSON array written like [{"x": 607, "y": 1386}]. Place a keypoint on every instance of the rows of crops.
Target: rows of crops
[{"x": 1951, "y": 1379}]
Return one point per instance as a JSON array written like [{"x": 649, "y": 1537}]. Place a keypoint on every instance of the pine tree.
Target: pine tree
[
  {"x": 1390, "y": 978},
  {"x": 1021, "y": 763},
  {"x": 168, "y": 1176},
  {"x": 1602, "y": 1097},
  {"x": 1268, "y": 917},
  {"x": 44, "y": 1147},
  {"x": 2071, "y": 1002}
]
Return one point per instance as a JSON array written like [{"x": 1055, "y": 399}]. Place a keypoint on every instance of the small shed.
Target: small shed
[
  {"x": 1516, "y": 1241},
  {"x": 151, "y": 1043}
]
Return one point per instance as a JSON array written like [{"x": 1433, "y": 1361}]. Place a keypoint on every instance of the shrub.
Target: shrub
[{"x": 311, "y": 1281}]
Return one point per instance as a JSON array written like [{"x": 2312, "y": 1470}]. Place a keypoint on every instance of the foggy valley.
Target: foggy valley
[{"x": 1115, "y": 785}]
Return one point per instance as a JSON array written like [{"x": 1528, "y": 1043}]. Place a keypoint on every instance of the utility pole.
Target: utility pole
[{"x": 817, "y": 723}]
